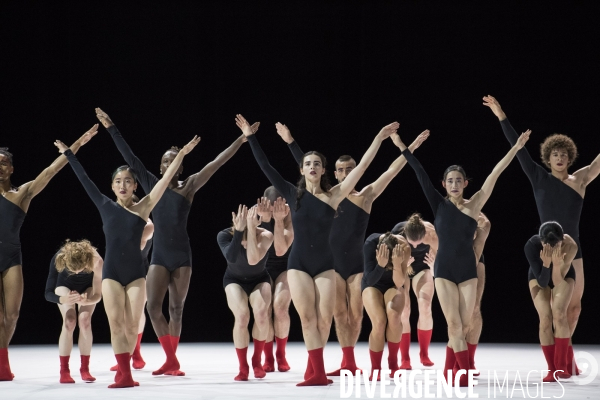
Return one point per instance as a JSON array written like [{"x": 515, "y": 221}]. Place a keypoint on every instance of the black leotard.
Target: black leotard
[
  {"x": 145, "y": 253},
  {"x": 555, "y": 200},
  {"x": 375, "y": 276},
  {"x": 238, "y": 270},
  {"x": 455, "y": 258},
  {"x": 311, "y": 217},
  {"x": 77, "y": 282},
  {"x": 11, "y": 219},
  {"x": 418, "y": 253},
  {"x": 275, "y": 264},
  {"x": 122, "y": 231},
  {"x": 171, "y": 242},
  {"x": 537, "y": 270}
]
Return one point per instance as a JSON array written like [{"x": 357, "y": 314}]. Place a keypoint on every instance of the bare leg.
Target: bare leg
[
  {"x": 281, "y": 306},
  {"x": 424, "y": 289},
  {"x": 69, "y": 314},
  {"x": 541, "y": 301},
  {"x": 302, "y": 289},
  {"x": 86, "y": 337},
  {"x": 474, "y": 330},
  {"x": 157, "y": 283},
  {"x": 260, "y": 298},
  {"x": 457, "y": 302},
  {"x": 405, "y": 316},
  {"x": 376, "y": 310},
  {"x": 135, "y": 298},
  {"x": 237, "y": 300},
  {"x": 11, "y": 295},
  {"x": 178, "y": 290},
  {"x": 574, "y": 309},
  {"x": 394, "y": 305}
]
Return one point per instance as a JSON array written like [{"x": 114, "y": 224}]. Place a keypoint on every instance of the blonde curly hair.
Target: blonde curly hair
[{"x": 76, "y": 256}]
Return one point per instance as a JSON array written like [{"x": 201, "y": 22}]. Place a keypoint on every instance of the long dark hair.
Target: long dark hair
[{"x": 301, "y": 185}]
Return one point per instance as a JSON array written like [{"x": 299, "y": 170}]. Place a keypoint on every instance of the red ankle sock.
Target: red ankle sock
[
  {"x": 571, "y": 364},
  {"x": 549, "y": 355},
  {"x": 348, "y": 362},
  {"x": 561, "y": 348},
  {"x": 462, "y": 358},
  {"x": 171, "y": 364},
  {"x": 424, "y": 340},
  {"x": 136, "y": 356},
  {"x": 315, "y": 357},
  {"x": 404, "y": 351},
  {"x": 393, "y": 357},
  {"x": 123, "y": 378},
  {"x": 282, "y": 364},
  {"x": 85, "y": 369},
  {"x": 114, "y": 367},
  {"x": 244, "y": 367},
  {"x": 175, "y": 344},
  {"x": 5, "y": 373},
  {"x": 449, "y": 365},
  {"x": 269, "y": 365},
  {"x": 259, "y": 346},
  {"x": 472, "y": 348},
  {"x": 376, "y": 357},
  {"x": 309, "y": 369},
  {"x": 65, "y": 373}
]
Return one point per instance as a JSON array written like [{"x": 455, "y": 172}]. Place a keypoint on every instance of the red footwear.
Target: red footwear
[
  {"x": 5, "y": 373},
  {"x": 65, "y": 373},
  {"x": 404, "y": 351},
  {"x": 114, "y": 368},
  {"x": 259, "y": 346},
  {"x": 136, "y": 356},
  {"x": 424, "y": 340},
  {"x": 449, "y": 366},
  {"x": 175, "y": 344},
  {"x": 462, "y": 358},
  {"x": 244, "y": 367},
  {"x": 561, "y": 348},
  {"x": 269, "y": 365},
  {"x": 348, "y": 362},
  {"x": 571, "y": 364},
  {"x": 309, "y": 370},
  {"x": 549, "y": 355},
  {"x": 282, "y": 364},
  {"x": 171, "y": 364},
  {"x": 84, "y": 370},
  {"x": 376, "y": 357},
  {"x": 472, "y": 348},
  {"x": 319, "y": 378},
  {"x": 124, "y": 379}
]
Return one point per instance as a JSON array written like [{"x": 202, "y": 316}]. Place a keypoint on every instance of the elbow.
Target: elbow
[
  {"x": 280, "y": 251},
  {"x": 253, "y": 260}
]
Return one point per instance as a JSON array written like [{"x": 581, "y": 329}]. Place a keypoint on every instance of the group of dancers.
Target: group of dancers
[{"x": 304, "y": 243}]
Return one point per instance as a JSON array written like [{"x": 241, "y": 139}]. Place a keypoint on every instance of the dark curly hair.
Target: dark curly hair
[
  {"x": 301, "y": 185},
  {"x": 558, "y": 141}
]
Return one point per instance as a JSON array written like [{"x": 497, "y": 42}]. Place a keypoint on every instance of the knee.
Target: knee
[
  {"x": 154, "y": 308},
  {"x": 574, "y": 311},
  {"x": 355, "y": 321},
  {"x": 546, "y": 323},
  {"x": 85, "y": 323},
  {"x": 379, "y": 325},
  {"x": 559, "y": 315},
  {"x": 455, "y": 328},
  {"x": 11, "y": 317},
  {"x": 340, "y": 313},
  {"x": 424, "y": 307},
  {"x": 261, "y": 315},
  {"x": 176, "y": 311},
  {"x": 242, "y": 319},
  {"x": 308, "y": 320},
  {"x": 280, "y": 311},
  {"x": 69, "y": 323}
]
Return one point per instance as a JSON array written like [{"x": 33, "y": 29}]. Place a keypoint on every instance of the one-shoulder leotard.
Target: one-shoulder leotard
[
  {"x": 555, "y": 200},
  {"x": 455, "y": 259},
  {"x": 145, "y": 252},
  {"x": 78, "y": 282},
  {"x": 122, "y": 231},
  {"x": 537, "y": 270},
  {"x": 375, "y": 276},
  {"x": 11, "y": 219},
  {"x": 171, "y": 242}
]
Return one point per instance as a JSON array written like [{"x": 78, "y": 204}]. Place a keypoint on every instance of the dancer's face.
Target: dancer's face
[
  {"x": 312, "y": 168},
  {"x": 6, "y": 168},
  {"x": 455, "y": 184},
  {"x": 559, "y": 160},
  {"x": 415, "y": 243},
  {"x": 343, "y": 168},
  {"x": 166, "y": 160},
  {"x": 123, "y": 185}
]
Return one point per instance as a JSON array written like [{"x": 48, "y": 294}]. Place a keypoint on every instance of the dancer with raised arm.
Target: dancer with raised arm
[
  {"x": 346, "y": 240},
  {"x": 310, "y": 266},
  {"x": 551, "y": 283},
  {"x": 246, "y": 280},
  {"x": 123, "y": 273},
  {"x": 171, "y": 264},
  {"x": 14, "y": 204},
  {"x": 276, "y": 218},
  {"x": 455, "y": 267},
  {"x": 75, "y": 278},
  {"x": 558, "y": 194},
  {"x": 385, "y": 259}
]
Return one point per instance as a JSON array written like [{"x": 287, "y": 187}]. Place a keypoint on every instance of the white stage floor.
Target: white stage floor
[{"x": 210, "y": 368}]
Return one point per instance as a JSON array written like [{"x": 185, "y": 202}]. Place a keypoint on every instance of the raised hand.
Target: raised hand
[
  {"x": 61, "y": 146},
  {"x": 280, "y": 209},
  {"x": 558, "y": 257},
  {"x": 88, "y": 135},
  {"x": 523, "y": 139},
  {"x": 190, "y": 146},
  {"x": 546, "y": 255},
  {"x": 239, "y": 219},
  {"x": 284, "y": 132},
  {"x": 419, "y": 140},
  {"x": 492, "y": 103},
  {"x": 382, "y": 254},
  {"x": 253, "y": 220},
  {"x": 411, "y": 260},
  {"x": 254, "y": 128},
  {"x": 388, "y": 130},
  {"x": 397, "y": 254},
  {"x": 263, "y": 208},
  {"x": 430, "y": 258},
  {"x": 241, "y": 122},
  {"x": 103, "y": 118}
]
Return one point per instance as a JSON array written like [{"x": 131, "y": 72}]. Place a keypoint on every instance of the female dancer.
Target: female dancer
[
  {"x": 171, "y": 265},
  {"x": 455, "y": 268},
  {"x": 386, "y": 257},
  {"x": 310, "y": 268},
  {"x": 276, "y": 219},
  {"x": 123, "y": 274},
  {"x": 423, "y": 242},
  {"x": 245, "y": 247},
  {"x": 551, "y": 283},
  {"x": 558, "y": 195},
  {"x": 14, "y": 203},
  {"x": 75, "y": 277}
]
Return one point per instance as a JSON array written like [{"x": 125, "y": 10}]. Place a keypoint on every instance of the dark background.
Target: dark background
[{"x": 335, "y": 73}]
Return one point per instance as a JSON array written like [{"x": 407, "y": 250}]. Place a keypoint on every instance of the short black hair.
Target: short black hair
[{"x": 124, "y": 168}]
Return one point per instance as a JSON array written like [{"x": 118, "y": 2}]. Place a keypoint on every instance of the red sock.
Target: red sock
[
  {"x": 124, "y": 378},
  {"x": 348, "y": 362},
  {"x": 269, "y": 365},
  {"x": 136, "y": 356},
  {"x": 259, "y": 346},
  {"x": 282, "y": 364},
  {"x": 472, "y": 348},
  {"x": 244, "y": 367},
  {"x": 315, "y": 357},
  {"x": 171, "y": 364},
  {"x": 375, "y": 363},
  {"x": 5, "y": 373},
  {"x": 85, "y": 369},
  {"x": 561, "y": 348},
  {"x": 309, "y": 369},
  {"x": 342, "y": 365},
  {"x": 571, "y": 364},
  {"x": 462, "y": 358},
  {"x": 393, "y": 357},
  {"x": 115, "y": 367},
  {"x": 65, "y": 373},
  {"x": 404, "y": 350},
  {"x": 549, "y": 355},
  {"x": 175, "y": 344},
  {"x": 449, "y": 365},
  {"x": 424, "y": 340}
]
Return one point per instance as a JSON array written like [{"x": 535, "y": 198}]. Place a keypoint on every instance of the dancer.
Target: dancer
[
  {"x": 75, "y": 278},
  {"x": 551, "y": 283},
  {"x": 385, "y": 259},
  {"x": 423, "y": 242},
  {"x": 310, "y": 267},
  {"x": 558, "y": 195},
  {"x": 123, "y": 274},
  {"x": 276, "y": 218},
  {"x": 171, "y": 265},
  {"x": 455, "y": 268},
  {"x": 245, "y": 247},
  {"x": 346, "y": 240},
  {"x": 14, "y": 204}
]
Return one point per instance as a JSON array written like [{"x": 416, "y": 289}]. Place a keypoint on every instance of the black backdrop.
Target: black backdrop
[{"x": 335, "y": 73}]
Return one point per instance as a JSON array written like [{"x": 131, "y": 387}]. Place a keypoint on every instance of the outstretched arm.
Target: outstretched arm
[
  {"x": 481, "y": 197},
  {"x": 589, "y": 173},
  {"x": 293, "y": 145}
]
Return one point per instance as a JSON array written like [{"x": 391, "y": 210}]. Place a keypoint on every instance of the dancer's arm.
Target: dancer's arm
[
  {"x": 95, "y": 294},
  {"x": 589, "y": 173},
  {"x": 283, "y": 230},
  {"x": 293, "y": 145},
  {"x": 481, "y": 234},
  {"x": 373, "y": 270},
  {"x": 400, "y": 256},
  {"x": 561, "y": 261},
  {"x": 230, "y": 246},
  {"x": 539, "y": 262},
  {"x": 51, "y": 285},
  {"x": 258, "y": 240}
]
